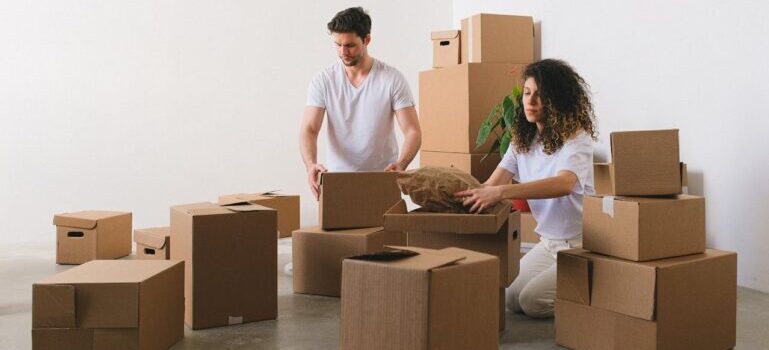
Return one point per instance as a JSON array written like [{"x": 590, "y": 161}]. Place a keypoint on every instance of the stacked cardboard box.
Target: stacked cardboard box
[
  {"x": 230, "y": 254},
  {"x": 495, "y": 233},
  {"x": 106, "y": 304},
  {"x": 351, "y": 209},
  {"x": 475, "y": 68},
  {"x": 420, "y": 299},
  {"x": 644, "y": 279}
]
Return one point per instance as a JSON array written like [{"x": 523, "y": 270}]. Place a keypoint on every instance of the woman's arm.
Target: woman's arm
[
  {"x": 500, "y": 176},
  {"x": 552, "y": 187}
]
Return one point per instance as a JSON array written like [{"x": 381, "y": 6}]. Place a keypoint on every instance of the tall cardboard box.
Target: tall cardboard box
[
  {"x": 644, "y": 228},
  {"x": 493, "y": 38},
  {"x": 231, "y": 257},
  {"x": 420, "y": 299},
  {"x": 287, "y": 206},
  {"x": 318, "y": 254},
  {"x": 455, "y": 100},
  {"x": 495, "y": 233},
  {"x": 94, "y": 234},
  {"x": 446, "y": 51},
  {"x": 687, "y": 302},
  {"x": 644, "y": 163},
  {"x": 356, "y": 199},
  {"x": 110, "y": 304},
  {"x": 468, "y": 162},
  {"x": 153, "y": 243}
]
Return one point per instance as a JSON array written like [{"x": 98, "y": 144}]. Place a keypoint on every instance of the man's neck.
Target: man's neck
[{"x": 361, "y": 68}]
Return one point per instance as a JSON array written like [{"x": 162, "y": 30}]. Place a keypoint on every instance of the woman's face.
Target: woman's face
[{"x": 532, "y": 106}]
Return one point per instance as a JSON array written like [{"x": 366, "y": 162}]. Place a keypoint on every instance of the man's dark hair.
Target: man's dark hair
[{"x": 352, "y": 20}]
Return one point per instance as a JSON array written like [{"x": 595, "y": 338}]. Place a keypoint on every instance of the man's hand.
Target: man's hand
[
  {"x": 394, "y": 167},
  {"x": 479, "y": 199},
  {"x": 312, "y": 178}
]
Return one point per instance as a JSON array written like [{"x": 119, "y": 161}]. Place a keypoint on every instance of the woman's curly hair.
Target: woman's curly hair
[{"x": 566, "y": 107}]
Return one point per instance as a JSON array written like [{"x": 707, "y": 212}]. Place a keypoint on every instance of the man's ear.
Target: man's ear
[{"x": 367, "y": 39}]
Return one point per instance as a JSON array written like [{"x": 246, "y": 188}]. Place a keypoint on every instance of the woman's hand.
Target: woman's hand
[{"x": 479, "y": 199}]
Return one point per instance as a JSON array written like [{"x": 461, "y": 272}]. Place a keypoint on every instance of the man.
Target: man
[{"x": 359, "y": 95}]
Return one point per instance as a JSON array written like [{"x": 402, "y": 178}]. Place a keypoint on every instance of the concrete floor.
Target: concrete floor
[{"x": 304, "y": 322}]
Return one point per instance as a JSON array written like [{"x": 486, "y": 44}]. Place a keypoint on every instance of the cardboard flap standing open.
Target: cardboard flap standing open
[
  {"x": 84, "y": 219},
  {"x": 397, "y": 218},
  {"x": 574, "y": 278}
]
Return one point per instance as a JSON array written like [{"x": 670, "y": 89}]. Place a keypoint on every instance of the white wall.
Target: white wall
[
  {"x": 700, "y": 66},
  {"x": 139, "y": 105}
]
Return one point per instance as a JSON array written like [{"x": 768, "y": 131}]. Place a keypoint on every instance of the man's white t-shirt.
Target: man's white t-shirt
[
  {"x": 557, "y": 218},
  {"x": 360, "y": 127}
]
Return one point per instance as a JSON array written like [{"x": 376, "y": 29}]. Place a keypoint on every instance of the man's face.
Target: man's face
[{"x": 350, "y": 47}]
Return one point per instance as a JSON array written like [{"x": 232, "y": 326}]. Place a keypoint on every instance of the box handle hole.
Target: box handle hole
[
  {"x": 75, "y": 234},
  {"x": 515, "y": 234},
  {"x": 149, "y": 251},
  {"x": 445, "y": 43}
]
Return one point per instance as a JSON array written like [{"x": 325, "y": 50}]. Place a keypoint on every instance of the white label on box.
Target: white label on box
[
  {"x": 608, "y": 205},
  {"x": 235, "y": 320}
]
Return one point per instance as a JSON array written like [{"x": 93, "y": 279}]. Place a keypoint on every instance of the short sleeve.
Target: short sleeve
[
  {"x": 576, "y": 156},
  {"x": 401, "y": 93},
  {"x": 316, "y": 92},
  {"x": 510, "y": 162}
]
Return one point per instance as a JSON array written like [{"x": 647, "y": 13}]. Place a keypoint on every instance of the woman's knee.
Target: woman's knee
[{"x": 535, "y": 303}]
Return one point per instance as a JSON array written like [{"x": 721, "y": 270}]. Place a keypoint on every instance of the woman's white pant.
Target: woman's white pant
[{"x": 533, "y": 292}]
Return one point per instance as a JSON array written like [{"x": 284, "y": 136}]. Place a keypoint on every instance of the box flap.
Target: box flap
[
  {"x": 111, "y": 271},
  {"x": 351, "y": 231},
  {"x": 207, "y": 208},
  {"x": 53, "y": 306},
  {"x": 573, "y": 278},
  {"x": 84, "y": 219},
  {"x": 243, "y": 198},
  {"x": 247, "y": 207},
  {"x": 156, "y": 237},
  {"x": 412, "y": 258},
  {"x": 398, "y": 219},
  {"x": 444, "y": 35}
]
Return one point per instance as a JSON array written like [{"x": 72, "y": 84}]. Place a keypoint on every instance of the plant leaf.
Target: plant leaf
[
  {"x": 504, "y": 143},
  {"x": 494, "y": 148},
  {"x": 486, "y": 127}
]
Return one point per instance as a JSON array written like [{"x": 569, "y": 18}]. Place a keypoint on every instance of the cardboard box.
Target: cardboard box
[
  {"x": 468, "y": 162},
  {"x": 644, "y": 163},
  {"x": 94, "y": 234},
  {"x": 496, "y": 233},
  {"x": 446, "y": 49},
  {"x": 231, "y": 262},
  {"x": 356, "y": 199},
  {"x": 420, "y": 299},
  {"x": 153, "y": 243},
  {"x": 497, "y": 39},
  {"x": 528, "y": 225},
  {"x": 687, "y": 302},
  {"x": 603, "y": 181},
  {"x": 287, "y": 206},
  {"x": 455, "y": 100},
  {"x": 318, "y": 254},
  {"x": 644, "y": 228},
  {"x": 110, "y": 304}
]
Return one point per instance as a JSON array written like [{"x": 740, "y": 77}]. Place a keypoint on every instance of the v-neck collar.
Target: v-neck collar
[{"x": 365, "y": 80}]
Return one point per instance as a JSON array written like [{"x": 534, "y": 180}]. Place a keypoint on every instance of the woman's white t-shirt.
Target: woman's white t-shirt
[
  {"x": 360, "y": 129},
  {"x": 557, "y": 218}
]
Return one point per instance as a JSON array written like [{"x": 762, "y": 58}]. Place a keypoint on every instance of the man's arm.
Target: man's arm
[
  {"x": 308, "y": 145},
  {"x": 412, "y": 137}
]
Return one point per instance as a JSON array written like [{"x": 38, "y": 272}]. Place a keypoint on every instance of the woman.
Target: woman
[{"x": 551, "y": 160}]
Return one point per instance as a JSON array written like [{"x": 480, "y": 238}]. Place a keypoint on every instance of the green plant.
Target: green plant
[{"x": 500, "y": 123}]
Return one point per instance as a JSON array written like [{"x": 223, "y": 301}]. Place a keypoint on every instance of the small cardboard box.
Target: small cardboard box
[
  {"x": 231, "y": 262},
  {"x": 356, "y": 199},
  {"x": 644, "y": 228},
  {"x": 528, "y": 225},
  {"x": 110, "y": 304},
  {"x": 318, "y": 254},
  {"x": 495, "y": 233},
  {"x": 497, "y": 39},
  {"x": 644, "y": 163},
  {"x": 153, "y": 243},
  {"x": 687, "y": 302},
  {"x": 287, "y": 206},
  {"x": 454, "y": 102},
  {"x": 602, "y": 173},
  {"x": 89, "y": 235},
  {"x": 420, "y": 299},
  {"x": 468, "y": 162},
  {"x": 446, "y": 49}
]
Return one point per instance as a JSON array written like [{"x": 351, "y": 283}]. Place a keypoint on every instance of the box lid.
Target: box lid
[
  {"x": 444, "y": 34},
  {"x": 400, "y": 220},
  {"x": 155, "y": 237},
  {"x": 352, "y": 231},
  {"x": 208, "y": 208},
  {"x": 84, "y": 219},
  {"x": 243, "y": 198}
]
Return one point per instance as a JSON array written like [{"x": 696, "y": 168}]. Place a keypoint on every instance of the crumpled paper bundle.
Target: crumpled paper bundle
[{"x": 433, "y": 188}]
